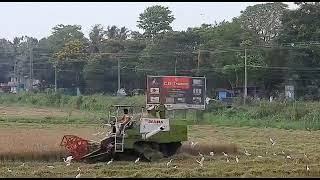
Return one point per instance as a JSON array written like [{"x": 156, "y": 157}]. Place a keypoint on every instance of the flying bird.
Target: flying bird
[
  {"x": 68, "y": 160},
  {"x": 201, "y": 161},
  {"x": 237, "y": 160},
  {"x": 193, "y": 144},
  {"x": 273, "y": 142},
  {"x": 78, "y": 175},
  {"x": 246, "y": 153},
  {"x": 225, "y": 154},
  {"x": 137, "y": 160},
  {"x": 168, "y": 163},
  {"x": 110, "y": 161}
]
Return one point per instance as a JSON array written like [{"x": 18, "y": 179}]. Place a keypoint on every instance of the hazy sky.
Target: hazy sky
[{"x": 36, "y": 19}]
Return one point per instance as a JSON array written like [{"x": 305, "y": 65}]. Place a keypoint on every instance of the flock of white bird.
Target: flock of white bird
[{"x": 168, "y": 164}]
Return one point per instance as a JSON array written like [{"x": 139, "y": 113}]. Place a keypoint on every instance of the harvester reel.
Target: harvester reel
[{"x": 76, "y": 146}]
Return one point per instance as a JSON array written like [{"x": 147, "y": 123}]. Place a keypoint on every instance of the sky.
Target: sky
[{"x": 36, "y": 19}]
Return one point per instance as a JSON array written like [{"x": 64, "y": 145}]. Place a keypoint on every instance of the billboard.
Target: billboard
[{"x": 176, "y": 92}]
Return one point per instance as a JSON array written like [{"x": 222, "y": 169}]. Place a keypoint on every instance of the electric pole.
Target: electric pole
[
  {"x": 245, "y": 76},
  {"x": 175, "y": 67},
  {"x": 198, "y": 71},
  {"x": 55, "y": 79},
  {"x": 119, "y": 75},
  {"x": 31, "y": 66}
]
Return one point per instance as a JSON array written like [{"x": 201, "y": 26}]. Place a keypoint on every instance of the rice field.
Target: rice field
[
  {"x": 292, "y": 153},
  {"x": 33, "y": 150}
]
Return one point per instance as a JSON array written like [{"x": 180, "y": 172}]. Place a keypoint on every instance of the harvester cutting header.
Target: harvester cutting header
[{"x": 147, "y": 133}]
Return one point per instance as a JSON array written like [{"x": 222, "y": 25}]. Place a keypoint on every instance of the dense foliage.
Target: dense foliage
[{"x": 269, "y": 32}]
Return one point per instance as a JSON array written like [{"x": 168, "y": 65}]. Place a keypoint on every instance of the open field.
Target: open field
[{"x": 255, "y": 140}]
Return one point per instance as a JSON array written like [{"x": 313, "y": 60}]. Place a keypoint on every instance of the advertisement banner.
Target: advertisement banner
[{"x": 176, "y": 92}]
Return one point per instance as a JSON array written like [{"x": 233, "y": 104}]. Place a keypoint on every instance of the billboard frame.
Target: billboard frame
[{"x": 192, "y": 77}]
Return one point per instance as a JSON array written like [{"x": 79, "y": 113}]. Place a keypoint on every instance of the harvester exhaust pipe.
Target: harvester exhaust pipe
[{"x": 149, "y": 134}]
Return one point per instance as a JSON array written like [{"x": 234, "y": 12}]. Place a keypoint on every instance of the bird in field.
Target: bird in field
[
  {"x": 211, "y": 154},
  {"x": 200, "y": 154},
  {"x": 168, "y": 163},
  {"x": 274, "y": 154},
  {"x": 259, "y": 156},
  {"x": 175, "y": 166},
  {"x": 305, "y": 155},
  {"x": 78, "y": 175},
  {"x": 96, "y": 133},
  {"x": 283, "y": 152},
  {"x": 246, "y": 152},
  {"x": 51, "y": 167},
  {"x": 273, "y": 142},
  {"x": 266, "y": 152},
  {"x": 193, "y": 144},
  {"x": 109, "y": 162},
  {"x": 228, "y": 160},
  {"x": 201, "y": 161},
  {"x": 225, "y": 154},
  {"x": 22, "y": 165},
  {"x": 68, "y": 160},
  {"x": 308, "y": 169},
  {"x": 137, "y": 160},
  {"x": 237, "y": 159},
  {"x": 9, "y": 170},
  {"x": 288, "y": 157}
]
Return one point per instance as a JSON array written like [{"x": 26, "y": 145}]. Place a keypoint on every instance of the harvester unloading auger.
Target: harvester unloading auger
[{"x": 144, "y": 135}]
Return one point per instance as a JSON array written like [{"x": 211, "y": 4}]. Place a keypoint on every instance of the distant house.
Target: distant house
[
  {"x": 252, "y": 91},
  {"x": 224, "y": 93}
]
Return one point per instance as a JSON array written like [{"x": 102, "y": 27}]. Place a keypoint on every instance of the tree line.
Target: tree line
[{"x": 281, "y": 48}]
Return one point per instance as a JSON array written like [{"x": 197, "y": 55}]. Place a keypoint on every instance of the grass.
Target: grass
[
  {"x": 88, "y": 109},
  {"x": 256, "y": 140}
]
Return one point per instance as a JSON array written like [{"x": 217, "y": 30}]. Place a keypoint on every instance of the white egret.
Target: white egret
[
  {"x": 137, "y": 160},
  {"x": 168, "y": 163},
  {"x": 201, "y": 161},
  {"x": 109, "y": 162}
]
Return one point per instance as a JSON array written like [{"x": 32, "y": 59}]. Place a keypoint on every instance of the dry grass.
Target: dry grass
[
  {"x": 255, "y": 140},
  {"x": 32, "y": 143},
  {"x": 16, "y": 111}
]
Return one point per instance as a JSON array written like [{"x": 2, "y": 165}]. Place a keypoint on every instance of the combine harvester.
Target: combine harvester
[{"x": 145, "y": 135}]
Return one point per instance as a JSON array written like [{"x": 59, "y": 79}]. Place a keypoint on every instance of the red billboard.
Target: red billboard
[{"x": 176, "y": 92}]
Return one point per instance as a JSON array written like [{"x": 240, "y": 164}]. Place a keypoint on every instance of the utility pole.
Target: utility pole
[
  {"x": 245, "y": 76},
  {"x": 119, "y": 75},
  {"x": 55, "y": 79},
  {"x": 31, "y": 66},
  {"x": 198, "y": 71},
  {"x": 175, "y": 67}
]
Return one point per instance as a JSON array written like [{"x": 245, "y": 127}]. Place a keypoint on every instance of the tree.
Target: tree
[
  {"x": 154, "y": 20},
  {"x": 96, "y": 38},
  {"x": 302, "y": 25},
  {"x": 263, "y": 20},
  {"x": 64, "y": 33},
  {"x": 114, "y": 32}
]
